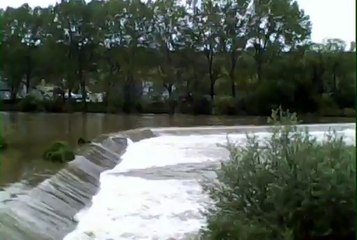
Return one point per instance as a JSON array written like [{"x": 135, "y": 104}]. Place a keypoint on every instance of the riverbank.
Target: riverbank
[{"x": 156, "y": 107}]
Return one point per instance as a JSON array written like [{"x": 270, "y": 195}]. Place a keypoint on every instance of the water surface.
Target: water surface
[
  {"x": 30, "y": 134},
  {"x": 155, "y": 192},
  {"x": 39, "y": 199}
]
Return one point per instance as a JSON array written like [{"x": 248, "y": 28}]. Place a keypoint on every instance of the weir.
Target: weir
[{"x": 48, "y": 211}]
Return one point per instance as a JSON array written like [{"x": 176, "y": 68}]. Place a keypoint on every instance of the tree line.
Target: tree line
[{"x": 224, "y": 57}]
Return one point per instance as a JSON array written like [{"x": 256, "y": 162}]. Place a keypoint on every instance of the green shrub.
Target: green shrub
[
  {"x": 266, "y": 96},
  {"x": 3, "y": 143},
  {"x": 96, "y": 107},
  {"x": 225, "y": 105},
  {"x": 292, "y": 187},
  {"x": 59, "y": 152},
  {"x": 56, "y": 105},
  {"x": 327, "y": 106},
  {"x": 156, "y": 107},
  {"x": 202, "y": 105},
  {"x": 82, "y": 141},
  {"x": 349, "y": 112},
  {"x": 30, "y": 104},
  {"x": 139, "y": 106}
]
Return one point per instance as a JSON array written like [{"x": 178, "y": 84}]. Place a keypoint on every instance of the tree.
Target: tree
[
  {"x": 194, "y": 52},
  {"x": 209, "y": 21},
  {"x": 23, "y": 27},
  {"x": 168, "y": 35},
  {"x": 235, "y": 34},
  {"x": 74, "y": 19},
  {"x": 276, "y": 26}
]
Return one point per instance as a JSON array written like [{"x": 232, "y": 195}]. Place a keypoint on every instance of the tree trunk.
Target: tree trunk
[
  {"x": 232, "y": 75},
  {"x": 128, "y": 93},
  {"x": 69, "y": 95},
  {"x": 28, "y": 79},
  {"x": 210, "y": 72},
  {"x": 14, "y": 90},
  {"x": 317, "y": 79},
  {"x": 28, "y": 74},
  {"x": 171, "y": 101},
  {"x": 233, "y": 86},
  {"x": 334, "y": 87},
  {"x": 212, "y": 92},
  {"x": 334, "y": 79},
  {"x": 13, "y": 94},
  {"x": 107, "y": 96},
  {"x": 84, "y": 92},
  {"x": 67, "y": 101},
  {"x": 259, "y": 71},
  {"x": 258, "y": 61},
  {"x": 82, "y": 82}
]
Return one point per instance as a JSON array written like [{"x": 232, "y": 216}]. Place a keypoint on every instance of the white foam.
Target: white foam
[{"x": 136, "y": 208}]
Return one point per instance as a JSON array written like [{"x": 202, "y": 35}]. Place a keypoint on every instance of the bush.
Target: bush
[
  {"x": 266, "y": 95},
  {"x": 3, "y": 143},
  {"x": 349, "y": 112},
  {"x": 30, "y": 104},
  {"x": 56, "y": 105},
  {"x": 96, "y": 107},
  {"x": 327, "y": 106},
  {"x": 292, "y": 187},
  {"x": 156, "y": 107},
  {"x": 225, "y": 105},
  {"x": 202, "y": 105},
  {"x": 82, "y": 141},
  {"x": 59, "y": 152}
]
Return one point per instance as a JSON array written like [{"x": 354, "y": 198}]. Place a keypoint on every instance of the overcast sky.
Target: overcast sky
[{"x": 330, "y": 18}]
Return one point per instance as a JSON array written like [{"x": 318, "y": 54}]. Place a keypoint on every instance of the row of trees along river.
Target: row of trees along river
[{"x": 225, "y": 57}]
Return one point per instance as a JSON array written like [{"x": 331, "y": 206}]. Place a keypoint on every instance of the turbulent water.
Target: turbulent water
[
  {"x": 155, "y": 192},
  {"x": 47, "y": 211},
  {"x": 151, "y": 191}
]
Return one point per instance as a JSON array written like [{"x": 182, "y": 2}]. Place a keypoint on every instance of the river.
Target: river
[
  {"x": 22, "y": 168},
  {"x": 30, "y": 134}
]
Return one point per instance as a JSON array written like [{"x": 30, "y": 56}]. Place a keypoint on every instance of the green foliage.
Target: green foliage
[
  {"x": 225, "y": 105},
  {"x": 55, "y": 105},
  {"x": 327, "y": 106},
  {"x": 156, "y": 107},
  {"x": 349, "y": 112},
  {"x": 202, "y": 105},
  {"x": 59, "y": 152},
  {"x": 288, "y": 186},
  {"x": 115, "y": 46},
  {"x": 31, "y": 104},
  {"x": 3, "y": 142},
  {"x": 82, "y": 141}
]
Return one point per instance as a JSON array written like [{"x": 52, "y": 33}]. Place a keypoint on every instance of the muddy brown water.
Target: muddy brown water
[{"x": 30, "y": 134}]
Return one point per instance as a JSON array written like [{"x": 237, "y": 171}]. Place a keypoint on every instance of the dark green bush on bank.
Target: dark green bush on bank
[
  {"x": 31, "y": 104},
  {"x": 225, "y": 105},
  {"x": 59, "y": 152},
  {"x": 3, "y": 143},
  {"x": 257, "y": 104},
  {"x": 293, "y": 187}
]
